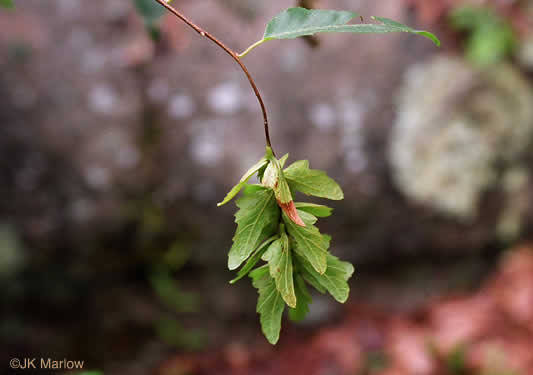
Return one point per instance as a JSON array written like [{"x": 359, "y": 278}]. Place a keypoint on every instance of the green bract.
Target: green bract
[
  {"x": 297, "y": 22},
  {"x": 279, "y": 260},
  {"x": 303, "y": 297},
  {"x": 308, "y": 242},
  {"x": 314, "y": 209},
  {"x": 312, "y": 181},
  {"x": 273, "y": 228},
  {"x": 270, "y": 304}
]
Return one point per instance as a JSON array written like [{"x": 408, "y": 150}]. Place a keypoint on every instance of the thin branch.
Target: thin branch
[{"x": 230, "y": 52}]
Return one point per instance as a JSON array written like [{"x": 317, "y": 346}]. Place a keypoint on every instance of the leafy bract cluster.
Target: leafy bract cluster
[{"x": 273, "y": 228}]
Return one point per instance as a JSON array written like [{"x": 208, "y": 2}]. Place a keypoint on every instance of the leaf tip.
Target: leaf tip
[
  {"x": 343, "y": 299},
  {"x": 233, "y": 263}
]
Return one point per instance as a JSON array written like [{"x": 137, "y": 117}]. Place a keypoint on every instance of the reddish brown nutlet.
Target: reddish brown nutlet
[{"x": 290, "y": 209}]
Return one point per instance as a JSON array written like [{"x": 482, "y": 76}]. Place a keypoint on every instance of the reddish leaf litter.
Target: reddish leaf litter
[{"x": 488, "y": 332}]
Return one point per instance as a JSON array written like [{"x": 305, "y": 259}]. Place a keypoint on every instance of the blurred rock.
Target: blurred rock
[
  {"x": 454, "y": 139},
  {"x": 525, "y": 52}
]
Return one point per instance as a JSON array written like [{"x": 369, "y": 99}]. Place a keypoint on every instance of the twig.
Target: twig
[{"x": 230, "y": 52}]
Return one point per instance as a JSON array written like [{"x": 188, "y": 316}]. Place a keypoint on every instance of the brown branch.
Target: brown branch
[{"x": 230, "y": 52}]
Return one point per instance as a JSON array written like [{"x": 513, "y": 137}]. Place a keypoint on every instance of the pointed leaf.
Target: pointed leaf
[
  {"x": 282, "y": 190},
  {"x": 244, "y": 179},
  {"x": 317, "y": 210},
  {"x": 252, "y": 261},
  {"x": 297, "y": 22},
  {"x": 280, "y": 265},
  {"x": 308, "y": 242},
  {"x": 256, "y": 220},
  {"x": 303, "y": 300},
  {"x": 334, "y": 280},
  {"x": 312, "y": 279},
  {"x": 270, "y": 304},
  {"x": 403, "y": 28},
  {"x": 312, "y": 181},
  {"x": 283, "y": 160}
]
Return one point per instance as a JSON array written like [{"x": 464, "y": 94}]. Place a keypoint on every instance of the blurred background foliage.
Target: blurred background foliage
[
  {"x": 151, "y": 12},
  {"x": 120, "y": 129},
  {"x": 490, "y": 36}
]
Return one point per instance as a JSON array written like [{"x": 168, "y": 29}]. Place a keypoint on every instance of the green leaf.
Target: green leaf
[
  {"x": 256, "y": 220},
  {"x": 308, "y": 242},
  {"x": 404, "y": 28},
  {"x": 270, "y": 304},
  {"x": 259, "y": 272},
  {"x": 303, "y": 300},
  {"x": 317, "y": 210},
  {"x": 312, "y": 181},
  {"x": 282, "y": 190},
  {"x": 334, "y": 280},
  {"x": 251, "y": 189},
  {"x": 244, "y": 179},
  {"x": 252, "y": 261},
  {"x": 310, "y": 278},
  {"x": 296, "y": 22},
  {"x": 279, "y": 261}
]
